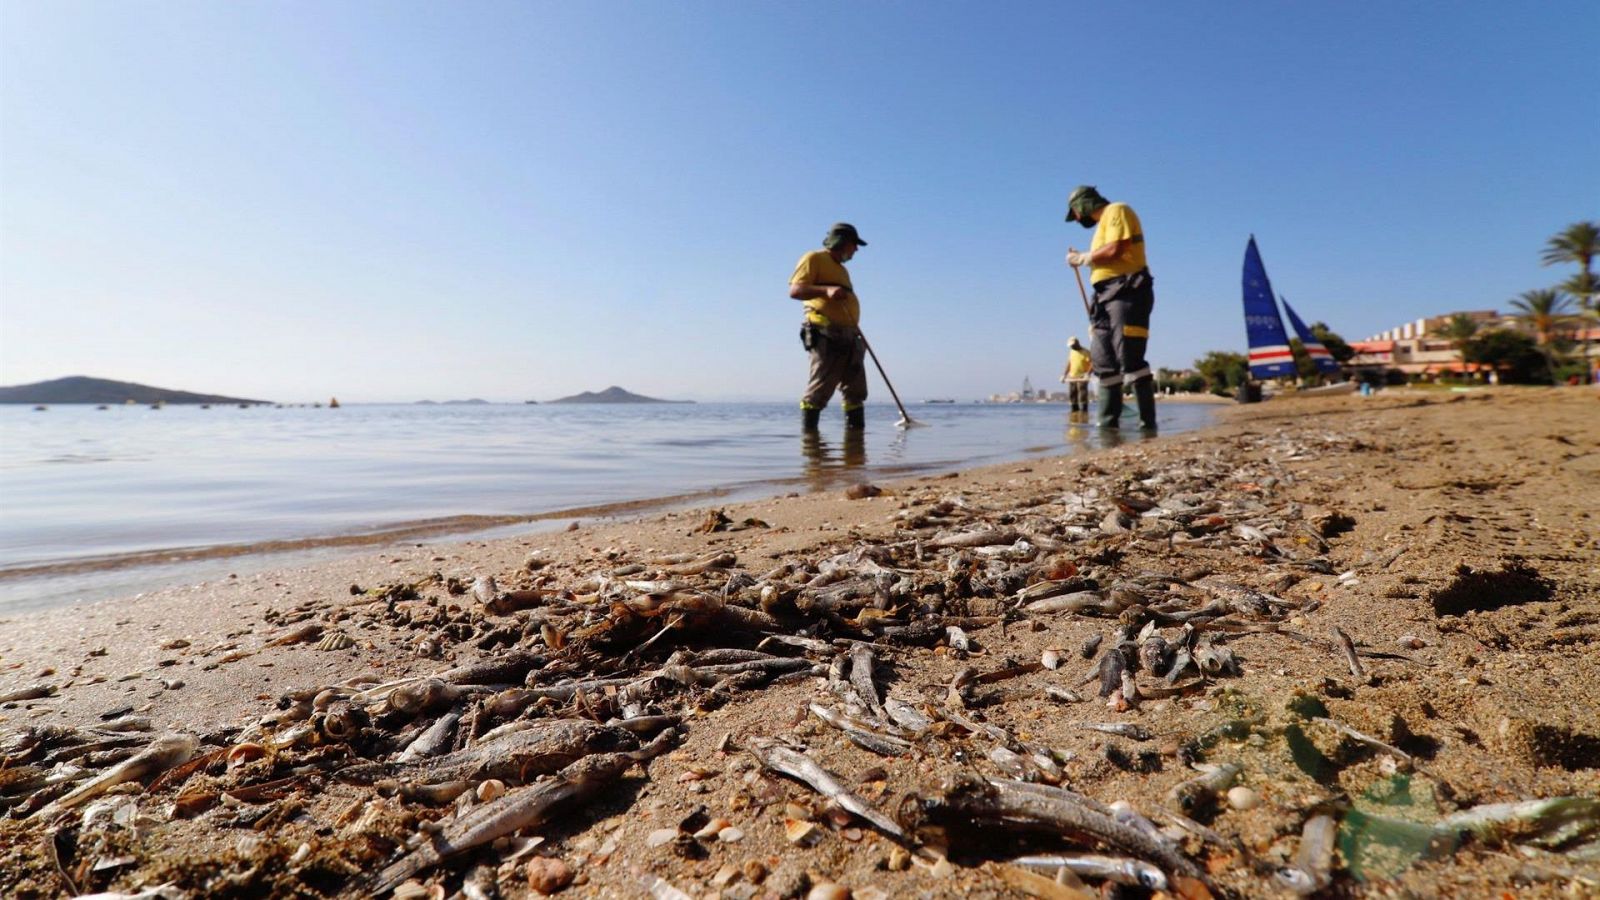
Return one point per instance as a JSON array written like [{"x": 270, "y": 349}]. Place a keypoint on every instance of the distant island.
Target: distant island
[
  {"x": 613, "y": 394},
  {"x": 83, "y": 389}
]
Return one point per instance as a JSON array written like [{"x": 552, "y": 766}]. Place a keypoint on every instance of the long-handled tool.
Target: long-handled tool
[
  {"x": 1087, "y": 310},
  {"x": 905, "y": 418}
]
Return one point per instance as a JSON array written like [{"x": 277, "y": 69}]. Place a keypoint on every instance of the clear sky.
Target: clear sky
[{"x": 395, "y": 201}]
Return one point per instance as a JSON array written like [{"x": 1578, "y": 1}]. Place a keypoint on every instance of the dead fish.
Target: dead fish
[
  {"x": 1062, "y": 694},
  {"x": 1078, "y": 601},
  {"x": 908, "y": 717},
  {"x": 1312, "y": 869},
  {"x": 518, "y": 809},
  {"x": 1119, "y": 869},
  {"x": 1090, "y": 645},
  {"x": 1121, "y": 729},
  {"x": 805, "y": 770},
  {"x": 545, "y": 746},
  {"x": 1348, "y": 648},
  {"x": 862, "y": 735},
  {"x": 1040, "y": 807},
  {"x": 972, "y": 539},
  {"x": 1155, "y": 654},
  {"x": 31, "y": 692},
  {"x": 1200, "y": 793},
  {"x": 162, "y": 754},
  {"x": 485, "y": 590},
  {"x": 432, "y": 741},
  {"x": 719, "y": 560}
]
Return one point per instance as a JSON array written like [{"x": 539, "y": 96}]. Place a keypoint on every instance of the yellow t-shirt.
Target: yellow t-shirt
[
  {"x": 1078, "y": 364},
  {"x": 1118, "y": 223},
  {"x": 820, "y": 268}
]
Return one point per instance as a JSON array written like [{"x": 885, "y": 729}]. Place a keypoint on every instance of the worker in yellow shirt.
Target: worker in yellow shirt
[
  {"x": 1076, "y": 375},
  {"x": 831, "y": 332},
  {"x": 1124, "y": 295}
]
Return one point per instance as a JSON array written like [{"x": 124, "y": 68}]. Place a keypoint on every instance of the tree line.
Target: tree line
[{"x": 1544, "y": 350}]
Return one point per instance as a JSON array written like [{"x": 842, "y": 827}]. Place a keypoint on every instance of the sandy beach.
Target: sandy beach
[{"x": 1454, "y": 538}]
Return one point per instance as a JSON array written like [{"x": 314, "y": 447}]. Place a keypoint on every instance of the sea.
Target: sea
[{"x": 97, "y": 503}]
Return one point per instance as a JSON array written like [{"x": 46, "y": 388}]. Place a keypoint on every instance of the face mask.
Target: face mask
[{"x": 1087, "y": 223}]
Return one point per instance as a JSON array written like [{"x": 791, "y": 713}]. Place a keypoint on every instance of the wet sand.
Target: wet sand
[{"x": 1458, "y": 536}]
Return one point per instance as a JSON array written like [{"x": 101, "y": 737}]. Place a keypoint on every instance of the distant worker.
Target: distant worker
[
  {"x": 1124, "y": 295},
  {"x": 1076, "y": 375},
  {"x": 830, "y": 332}
]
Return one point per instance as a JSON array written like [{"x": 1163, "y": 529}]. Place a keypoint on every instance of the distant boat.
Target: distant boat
[
  {"x": 939, "y": 400},
  {"x": 333, "y": 403}
]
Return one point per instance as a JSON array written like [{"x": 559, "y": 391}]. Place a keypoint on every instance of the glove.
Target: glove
[{"x": 1074, "y": 258}]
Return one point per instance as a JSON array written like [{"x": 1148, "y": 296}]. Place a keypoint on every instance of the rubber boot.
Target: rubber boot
[
  {"x": 1110, "y": 406},
  {"x": 1144, "y": 393},
  {"x": 810, "y": 419},
  {"x": 855, "y": 418}
]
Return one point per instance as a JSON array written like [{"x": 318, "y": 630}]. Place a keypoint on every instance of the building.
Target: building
[{"x": 1420, "y": 350}]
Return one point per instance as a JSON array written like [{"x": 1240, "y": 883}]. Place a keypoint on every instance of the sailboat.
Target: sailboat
[
  {"x": 1319, "y": 354},
  {"x": 1270, "y": 356}
]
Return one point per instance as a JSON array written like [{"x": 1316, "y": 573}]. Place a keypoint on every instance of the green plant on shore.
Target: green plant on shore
[
  {"x": 1223, "y": 370},
  {"x": 1544, "y": 311},
  {"x": 1578, "y": 243}
]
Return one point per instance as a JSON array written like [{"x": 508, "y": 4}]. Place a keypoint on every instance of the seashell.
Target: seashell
[
  {"x": 731, "y": 835},
  {"x": 712, "y": 828},
  {"x": 1411, "y": 642},
  {"x": 243, "y": 753},
  {"x": 493, "y": 789},
  {"x": 1050, "y": 658},
  {"x": 335, "y": 640},
  {"x": 801, "y": 833},
  {"x": 661, "y": 836},
  {"x": 1242, "y": 798}
]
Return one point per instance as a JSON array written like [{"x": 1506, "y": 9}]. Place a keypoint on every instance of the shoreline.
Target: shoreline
[
  {"x": 1428, "y": 482},
  {"x": 31, "y": 586}
]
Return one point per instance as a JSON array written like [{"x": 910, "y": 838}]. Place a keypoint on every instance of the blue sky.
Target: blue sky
[{"x": 396, "y": 201}]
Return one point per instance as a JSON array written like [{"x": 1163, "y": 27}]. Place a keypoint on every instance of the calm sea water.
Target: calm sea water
[{"x": 97, "y": 503}]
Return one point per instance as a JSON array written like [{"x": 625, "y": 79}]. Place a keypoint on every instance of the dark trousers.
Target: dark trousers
[
  {"x": 1120, "y": 328},
  {"x": 1078, "y": 392},
  {"x": 838, "y": 362}
]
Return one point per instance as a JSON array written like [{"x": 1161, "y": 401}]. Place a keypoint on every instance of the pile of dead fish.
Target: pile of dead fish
[{"x": 582, "y": 676}]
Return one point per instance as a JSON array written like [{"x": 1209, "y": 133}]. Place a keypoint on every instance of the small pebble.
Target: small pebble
[
  {"x": 661, "y": 836},
  {"x": 731, "y": 835},
  {"x": 547, "y": 876},
  {"x": 1242, "y": 798},
  {"x": 827, "y": 890}
]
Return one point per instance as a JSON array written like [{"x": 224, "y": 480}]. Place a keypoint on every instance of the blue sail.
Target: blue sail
[
  {"x": 1319, "y": 354},
  {"x": 1270, "y": 356}
]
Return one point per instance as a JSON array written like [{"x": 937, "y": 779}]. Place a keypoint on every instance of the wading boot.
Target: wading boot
[
  {"x": 1144, "y": 393},
  {"x": 1110, "y": 406},
  {"x": 855, "y": 418},
  {"x": 810, "y": 419}
]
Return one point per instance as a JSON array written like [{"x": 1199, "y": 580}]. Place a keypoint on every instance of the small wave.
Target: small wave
[{"x": 385, "y": 536}]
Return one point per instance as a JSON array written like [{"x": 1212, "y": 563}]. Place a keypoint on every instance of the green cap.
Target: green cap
[
  {"x": 842, "y": 231},
  {"x": 1084, "y": 200}
]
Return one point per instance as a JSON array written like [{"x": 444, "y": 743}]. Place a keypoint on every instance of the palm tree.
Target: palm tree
[
  {"x": 1579, "y": 243},
  {"x": 1544, "y": 311},
  {"x": 1458, "y": 331}
]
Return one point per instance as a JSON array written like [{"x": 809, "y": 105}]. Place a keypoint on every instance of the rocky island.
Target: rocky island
[
  {"x": 614, "y": 394},
  {"x": 83, "y": 389}
]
